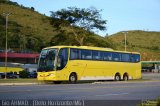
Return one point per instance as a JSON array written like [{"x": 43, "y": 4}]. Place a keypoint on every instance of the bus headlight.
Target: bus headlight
[{"x": 51, "y": 75}]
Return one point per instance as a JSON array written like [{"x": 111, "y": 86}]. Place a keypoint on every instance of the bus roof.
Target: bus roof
[{"x": 90, "y": 48}]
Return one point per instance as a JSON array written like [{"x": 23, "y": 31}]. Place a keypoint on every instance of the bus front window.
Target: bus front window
[{"x": 47, "y": 60}]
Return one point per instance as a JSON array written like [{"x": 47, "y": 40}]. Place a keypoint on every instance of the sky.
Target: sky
[{"x": 121, "y": 15}]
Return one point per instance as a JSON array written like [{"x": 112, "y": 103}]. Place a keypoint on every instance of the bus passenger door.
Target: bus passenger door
[{"x": 77, "y": 66}]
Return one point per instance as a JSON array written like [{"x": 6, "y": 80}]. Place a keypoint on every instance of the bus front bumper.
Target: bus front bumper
[{"x": 43, "y": 76}]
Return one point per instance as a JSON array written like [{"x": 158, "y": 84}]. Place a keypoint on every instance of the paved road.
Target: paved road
[
  {"x": 92, "y": 91},
  {"x": 151, "y": 76}
]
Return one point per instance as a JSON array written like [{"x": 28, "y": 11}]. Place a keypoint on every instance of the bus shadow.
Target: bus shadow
[{"x": 79, "y": 82}]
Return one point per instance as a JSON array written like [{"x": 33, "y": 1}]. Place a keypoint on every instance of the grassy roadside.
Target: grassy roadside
[
  {"x": 150, "y": 102},
  {"x": 19, "y": 80},
  {"x": 145, "y": 77}
]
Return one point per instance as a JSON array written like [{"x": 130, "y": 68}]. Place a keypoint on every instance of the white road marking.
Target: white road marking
[
  {"x": 112, "y": 94},
  {"x": 11, "y": 91}
]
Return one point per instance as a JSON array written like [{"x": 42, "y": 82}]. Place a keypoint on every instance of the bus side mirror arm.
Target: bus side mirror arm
[
  {"x": 59, "y": 62},
  {"x": 56, "y": 62}
]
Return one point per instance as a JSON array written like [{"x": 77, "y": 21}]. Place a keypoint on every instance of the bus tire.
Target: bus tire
[
  {"x": 125, "y": 77},
  {"x": 73, "y": 78},
  {"x": 117, "y": 77}
]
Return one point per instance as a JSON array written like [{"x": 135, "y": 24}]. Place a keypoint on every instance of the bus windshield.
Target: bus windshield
[{"x": 47, "y": 60}]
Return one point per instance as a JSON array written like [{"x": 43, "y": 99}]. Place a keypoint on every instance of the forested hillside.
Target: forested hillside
[
  {"x": 30, "y": 30},
  {"x": 145, "y": 42}
]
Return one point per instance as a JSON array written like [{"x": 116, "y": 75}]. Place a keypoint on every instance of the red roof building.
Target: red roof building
[{"x": 26, "y": 58}]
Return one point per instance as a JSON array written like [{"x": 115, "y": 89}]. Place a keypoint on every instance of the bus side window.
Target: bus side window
[
  {"x": 116, "y": 56},
  {"x": 125, "y": 57},
  {"x": 107, "y": 56},
  {"x": 86, "y": 54},
  {"x": 135, "y": 58},
  {"x": 74, "y": 54},
  {"x": 132, "y": 58},
  {"x": 101, "y": 55},
  {"x": 96, "y": 55}
]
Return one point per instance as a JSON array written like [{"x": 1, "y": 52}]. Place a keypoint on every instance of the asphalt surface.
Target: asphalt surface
[
  {"x": 108, "y": 91},
  {"x": 90, "y": 91},
  {"x": 102, "y": 91}
]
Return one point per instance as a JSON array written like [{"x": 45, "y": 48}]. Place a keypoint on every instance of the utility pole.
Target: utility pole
[
  {"x": 6, "y": 15},
  {"x": 125, "y": 40}
]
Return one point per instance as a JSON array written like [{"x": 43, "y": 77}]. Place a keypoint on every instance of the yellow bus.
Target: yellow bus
[{"x": 74, "y": 63}]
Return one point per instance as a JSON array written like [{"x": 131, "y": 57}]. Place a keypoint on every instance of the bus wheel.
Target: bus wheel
[
  {"x": 125, "y": 77},
  {"x": 73, "y": 78},
  {"x": 117, "y": 77}
]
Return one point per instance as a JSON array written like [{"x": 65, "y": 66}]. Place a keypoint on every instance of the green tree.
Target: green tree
[
  {"x": 33, "y": 43},
  {"x": 32, "y": 8},
  {"x": 62, "y": 39},
  {"x": 78, "y": 22}
]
